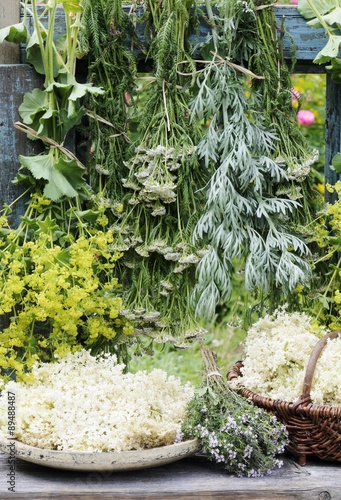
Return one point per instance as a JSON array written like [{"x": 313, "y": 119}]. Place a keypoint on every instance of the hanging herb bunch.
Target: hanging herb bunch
[
  {"x": 162, "y": 186},
  {"x": 105, "y": 35},
  {"x": 245, "y": 220},
  {"x": 58, "y": 287},
  {"x": 291, "y": 150}
]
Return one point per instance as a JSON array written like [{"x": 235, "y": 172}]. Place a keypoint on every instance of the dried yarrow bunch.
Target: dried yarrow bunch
[
  {"x": 163, "y": 186},
  {"x": 244, "y": 438}
]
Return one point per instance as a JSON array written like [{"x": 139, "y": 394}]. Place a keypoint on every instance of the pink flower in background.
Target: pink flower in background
[
  {"x": 305, "y": 117},
  {"x": 294, "y": 1}
]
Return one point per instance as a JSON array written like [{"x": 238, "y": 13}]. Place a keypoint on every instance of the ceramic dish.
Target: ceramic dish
[{"x": 120, "y": 461}]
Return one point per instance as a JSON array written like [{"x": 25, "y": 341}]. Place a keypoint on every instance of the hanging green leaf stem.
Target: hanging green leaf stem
[{"x": 58, "y": 286}]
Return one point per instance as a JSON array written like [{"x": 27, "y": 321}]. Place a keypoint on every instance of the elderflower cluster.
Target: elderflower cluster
[
  {"x": 277, "y": 350},
  {"x": 84, "y": 403}
]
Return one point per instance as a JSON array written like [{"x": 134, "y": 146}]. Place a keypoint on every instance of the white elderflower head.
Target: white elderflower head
[
  {"x": 276, "y": 353},
  {"x": 83, "y": 403}
]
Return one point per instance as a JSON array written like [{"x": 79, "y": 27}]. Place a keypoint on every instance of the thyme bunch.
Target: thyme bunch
[
  {"x": 245, "y": 439},
  {"x": 244, "y": 219}
]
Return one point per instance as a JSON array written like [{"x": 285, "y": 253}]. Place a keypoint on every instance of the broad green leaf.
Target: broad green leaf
[
  {"x": 23, "y": 179},
  {"x": 72, "y": 171},
  {"x": 88, "y": 215},
  {"x": 33, "y": 104},
  {"x": 63, "y": 89},
  {"x": 329, "y": 51},
  {"x": 334, "y": 240},
  {"x": 40, "y": 166},
  {"x": 47, "y": 225},
  {"x": 64, "y": 256},
  {"x": 63, "y": 176},
  {"x": 33, "y": 53},
  {"x": 67, "y": 121},
  {"x": 324, "y": 301},
  {"x": 321, "y": 6},
  {"x": 46, "y": 124},
  {"x": 34, "y": 57},
  {"x": 336, "y": 162},
  {"x": 333, "y": 18},
  {"x": 72, "y": 6},
  {"x": 16, "y": 33},
  {"x": 81, "y": 89}
]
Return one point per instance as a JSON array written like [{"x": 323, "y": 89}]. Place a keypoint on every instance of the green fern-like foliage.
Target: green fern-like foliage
[{"x": 112, "y": 66}]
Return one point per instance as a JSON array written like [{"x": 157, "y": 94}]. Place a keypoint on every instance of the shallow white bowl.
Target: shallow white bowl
[{"x": 120, "y": 461}]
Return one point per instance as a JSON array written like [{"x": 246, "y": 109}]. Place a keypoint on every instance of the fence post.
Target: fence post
[
  {"x": 332, "y": 132},
  {"x": 9, "y": 14}
]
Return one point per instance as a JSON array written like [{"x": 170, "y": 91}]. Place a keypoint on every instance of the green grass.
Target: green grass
[{"x": 223, "y": 338}]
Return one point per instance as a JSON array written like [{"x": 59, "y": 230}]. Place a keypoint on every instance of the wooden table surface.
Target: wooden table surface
[{"x": 190, "y": 478}]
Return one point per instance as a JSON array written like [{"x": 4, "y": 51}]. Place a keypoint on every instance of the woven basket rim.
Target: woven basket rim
[{"x": 303, "y": 407}]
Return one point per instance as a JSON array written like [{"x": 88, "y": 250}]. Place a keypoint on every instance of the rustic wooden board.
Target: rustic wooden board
[
  {"x": 192, "y": 478},
  {"x": 9, "y": 14},
  {"x": 15, "y": 81},
  {"x": 306, "y": 41}
]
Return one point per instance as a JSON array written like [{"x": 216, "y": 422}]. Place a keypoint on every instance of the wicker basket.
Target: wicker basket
[{"x": 314, "y": 430}]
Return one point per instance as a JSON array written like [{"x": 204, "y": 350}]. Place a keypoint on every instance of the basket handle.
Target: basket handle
[{"x": 305, "y": 397}]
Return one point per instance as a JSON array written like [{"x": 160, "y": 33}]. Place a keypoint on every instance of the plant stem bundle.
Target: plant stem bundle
[{"x": 234, "y": 432}]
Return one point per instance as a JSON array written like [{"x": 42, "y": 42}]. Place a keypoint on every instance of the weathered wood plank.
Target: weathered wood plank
[
  {"x": 9, "y": 14},
  {"x": 306, "y": 41},
  {"x": 188, "y": 479},
  {"x": 15, "y": 81}
]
